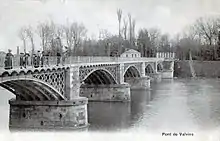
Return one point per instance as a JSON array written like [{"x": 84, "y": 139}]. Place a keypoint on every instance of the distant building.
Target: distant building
[{"x": 131, "y": 53}]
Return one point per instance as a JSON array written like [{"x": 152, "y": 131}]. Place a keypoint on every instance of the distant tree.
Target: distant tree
[
  {"x": 23, "y": 35},
  {"x": 207, "y": 29},
  {"x": 186, "y": 45},
  {"x": 144, "y": 43},
  {"x": 164, "y": 43},
  {"x": 125, "y": 28},
  {"x": 154, "y": 35},
  {"x": 30, "y": 35},
  {"x": 132, "y": 24},
  {"x": 46, "y": 34},
  {"x": 73, "y": 35},
  {"x": 56, "y": 46},
  {"x": 119, "y": 14},
  {"x": 133, "y": 28},
  {"x": 218, "y": 50},
  {"x": 130, "y": 27}
]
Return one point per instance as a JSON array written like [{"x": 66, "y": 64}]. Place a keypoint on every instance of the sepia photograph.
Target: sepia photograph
[{"x": 104, "y": 70}]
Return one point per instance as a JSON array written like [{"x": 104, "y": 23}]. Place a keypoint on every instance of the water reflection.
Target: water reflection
[
  {"x": 118, "y": 116},
  {"x": 203, "y": 102},
  {"x": 139, "y": 104},
  {"x": 106, "y": 116}
]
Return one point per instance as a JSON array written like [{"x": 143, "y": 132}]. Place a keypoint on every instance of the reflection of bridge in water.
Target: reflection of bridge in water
[{"x": 56, "y": 96}]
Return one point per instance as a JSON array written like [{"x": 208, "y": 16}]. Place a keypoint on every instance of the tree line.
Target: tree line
[
  {"x": 53, "y": 35},
  {"x": 200, "y": 38}
]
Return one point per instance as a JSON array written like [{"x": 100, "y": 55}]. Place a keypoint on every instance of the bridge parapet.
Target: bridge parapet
[
  {"x": 52, "y": 61},
  {"x": 165, "y": 55}
]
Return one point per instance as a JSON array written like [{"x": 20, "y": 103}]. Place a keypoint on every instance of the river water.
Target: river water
[{"x": 179, "y": 105}]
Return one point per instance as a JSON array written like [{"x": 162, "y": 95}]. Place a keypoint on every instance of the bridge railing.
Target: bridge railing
[
  {"x": 52, "y": 61},
  {"x": 91, "y": 59},
  {"x": 165, "y": 55}
]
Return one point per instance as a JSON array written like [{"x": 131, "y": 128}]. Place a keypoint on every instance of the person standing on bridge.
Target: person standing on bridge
[
  {"x": 58, "y": 58},
  {"x": 42, "y": 58},
  {"x": 8, "y": 60},
  {"x": 35, "y": 61},
  {"x": 47, "y": 57},
  {"x": 38, "y": 58},
  {"x": 21, "y": 60},
  {"x": 26, "y": 62},
  {"x": 64, "y": 55}
]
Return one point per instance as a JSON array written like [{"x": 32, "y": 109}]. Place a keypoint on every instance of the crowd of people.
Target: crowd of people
[{"x": 36, "y": 60}]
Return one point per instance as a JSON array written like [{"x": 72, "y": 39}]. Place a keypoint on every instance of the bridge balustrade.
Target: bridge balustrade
[
  {"x": 165, "y": 55},
  {"x": 54, "y": 60}
]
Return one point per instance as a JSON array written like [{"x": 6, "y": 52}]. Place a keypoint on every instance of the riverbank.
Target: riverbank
[{"x": 208, "y": 69}]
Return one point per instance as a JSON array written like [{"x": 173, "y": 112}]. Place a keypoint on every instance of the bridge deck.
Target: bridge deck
[{"x": 76, "y": 61}]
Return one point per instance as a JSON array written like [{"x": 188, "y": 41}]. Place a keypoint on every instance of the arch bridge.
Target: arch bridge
[{"x": 56, "y": 95}]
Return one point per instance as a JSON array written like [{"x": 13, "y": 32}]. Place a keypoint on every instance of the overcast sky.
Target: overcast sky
[{"x": 171, "y": 16}]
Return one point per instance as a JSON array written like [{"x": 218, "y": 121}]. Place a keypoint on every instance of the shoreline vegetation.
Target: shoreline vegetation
[{"x": 203, "y": 69}]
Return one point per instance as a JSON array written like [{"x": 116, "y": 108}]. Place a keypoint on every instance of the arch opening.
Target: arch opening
[
  {"x": 31, "y": 90},
  {"x": 159, "y": 68},
  {"x": 149, "y": 69},
  {"x": 99, "y": 77},
  {"x": 131, "y": 72}
]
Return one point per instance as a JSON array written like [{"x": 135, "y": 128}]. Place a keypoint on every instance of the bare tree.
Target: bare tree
[
  {"x": 59, "y": 31},
  {"x": 119, "y": 14},
  {"x": 125, "y": 28},
  {"x": 164, "y": 43},
  {"x": 130, "y": 27},
  {"x": 190, "y": 32},
  {"x": 74, "y": 34},
  {"x": 105, "y": 34},
  {"x": 30, "y": 35},
  {"x": 154, "y": 34},
  {"x": 43, "y": 29},
  {"x": 144, "y": 42},
  {"x": 207, "y": 28},
  {"x": 133, "y": 30},
  {"x": 68, "y": 37},
  {"x": 49, "y": 33},
  {"x": 23, "y": 36}
]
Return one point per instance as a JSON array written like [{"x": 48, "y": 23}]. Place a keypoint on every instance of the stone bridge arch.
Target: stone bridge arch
[
  {"x": 37, "y": 84},
  {"x": 100, "y": 84},
  {"x": 159, "y": 67},
  {"x": 130, "y": 72},
  {"x": 99, "y": 77},
  {"x": 31, "y": 89},
  {"x": 149, "y": 69},
  {"x": 107, "y": 69}
]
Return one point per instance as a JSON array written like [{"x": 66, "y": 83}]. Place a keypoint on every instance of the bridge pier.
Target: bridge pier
[
  {"x": 139, "y": 82},
  {"x": 168, "y": 70},
  {"x": 167, "y": 74},
  {"x": 156, "y": 76},
  {"x": 70, "y": 114},
  {"x": 112, "y": 92}
]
